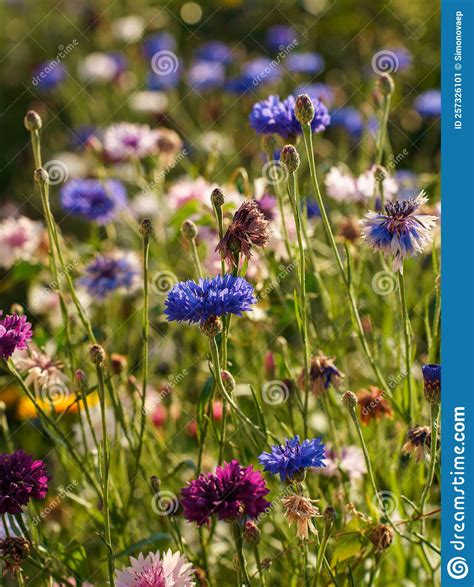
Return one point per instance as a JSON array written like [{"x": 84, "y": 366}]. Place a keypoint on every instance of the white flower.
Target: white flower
[
  {"x": 43, "y": 372},
  {"x": 98, "y": 67},
  {"x": 341, "y": 186},
  {"x": 148, "y": 102},
  {"x": 19, "y": 239},
  {"x": 129, "y": 28},
  {"x": 125, "y": 140},
  {"x": 366, "y": 186},
  {"x": 156, "y": 570}
]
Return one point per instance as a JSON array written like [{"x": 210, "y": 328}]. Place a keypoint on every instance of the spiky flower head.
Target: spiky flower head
[
  {"x": 156, "y": 570},
  {"x": 401, "y": 232},
  {"x": 14, "y": 550},
  {"x": 193, "y": 302},
  {"x": 233, "y": 492},
  {"x": 291, "y": 459},
  {"x": 116, "y": 271},
  {"x": 248, "y": 228}
]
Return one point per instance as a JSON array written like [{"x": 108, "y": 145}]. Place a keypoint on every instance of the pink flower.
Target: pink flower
[
  {"x": 188, "y": 190},
  {"x": 19, "y": 239},
  {"x": 126, "y": 141},
  {"x": 156, "y": 570}
]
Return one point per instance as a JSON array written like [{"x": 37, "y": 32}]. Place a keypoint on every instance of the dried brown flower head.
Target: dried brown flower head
[
  {"x": 322, "y": 374},
  {"x": 373, "y": 405},
  {"x": 381, "y": 536},
  {"x": 248, "y": 228},
  {"x": 418, "y": 442},
  {"x": 13, "y": 551},
  {"x": 300, "y": 510}
]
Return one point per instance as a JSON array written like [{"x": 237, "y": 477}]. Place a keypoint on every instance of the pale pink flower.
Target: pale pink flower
[
  {"x": 42, "y": 371},
  {"x": 190, "y": 190},
  {"x": 125, "y": 140},
  {"x": 156, "y": 570},
  {"x": 366, "y": 186},
  {"x": 340, "y": 185},
  {"x": 19, "y": 239}
]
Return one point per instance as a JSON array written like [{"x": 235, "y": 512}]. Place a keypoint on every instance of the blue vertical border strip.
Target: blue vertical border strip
[{"x": 457, "y": 347}]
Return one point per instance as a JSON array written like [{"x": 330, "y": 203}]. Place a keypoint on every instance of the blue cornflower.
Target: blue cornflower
[
  {"x": 428, "y": 104},
  {"x": 317, "y": 91},
  {"x": 49, "y": 75},
  {"x": 280, "y": 36},
  {"x": 293, "y": 457},
  {"x": 161, "y": 41},
  {"x": 193, "y": 302},
  {"x": 276, "y": 116},
  {"x": 114, "y": 272},
  {"x": 304, "y": 62},
  {"x": 401, "y": 231},
  {"x": 206, "y": 75},
  {"x": 350, "y": 119},
  {"x": 94, "y": 199},
  {"x": 164, "y": 81},
  {"x": 215, "y": 51},
  {"x": 404, "y": 57},
  {"x": 258, "y": 72}
]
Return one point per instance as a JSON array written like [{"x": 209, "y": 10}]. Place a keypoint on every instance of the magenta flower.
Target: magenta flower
[
  {"x": 233, "y": 492},
  {"x": 21, "y": 479},
  {"x": 15, "y": 332},
  {"x": 156, "y": 569}
]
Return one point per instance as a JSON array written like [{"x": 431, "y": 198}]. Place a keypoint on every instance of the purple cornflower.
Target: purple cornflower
[
  {"x": 21, "y": 479},
  {"x": 125, "y": 140},
  {"x": 93, "y": 199},
  {"x": 304, "y": 63},
  {"x": 428, "y": 104},
  {"x": 401, "y": 231},
  {"x": 233, "y": 492},
  {"x": 115, "y": 272},
  {"x": 206, "y": 75},
  {"x": 15, "y": 332},
  {"x": 49, "y": 75},
  {"x": 280, "y": 36},
  {"x": 293, "y": 457},
  {"x": 403, "y": 56},
  {"x": 268, "y": 206},
  {"x": 276, "y": 116},
  {"x": 215, "y": 51},
  {"x": 197, "y": 302},
  {"x": 350, "y": 119}
]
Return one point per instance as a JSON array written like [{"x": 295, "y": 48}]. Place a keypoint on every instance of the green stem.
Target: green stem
[
  {"x": 237, "y": 535},
  {"x": 347, "y": 282},
  {"x": 407, "y": 337},
  {"x": 197, "y": 263},
  {"x": 435, "y": 410}
]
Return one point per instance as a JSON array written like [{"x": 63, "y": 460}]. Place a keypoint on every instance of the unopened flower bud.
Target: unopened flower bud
[
  {"x": 289, "y": 158},
  {"x": 155, "y": 484},
  {"x": 41, "y": 176},
  {"x": 304, "y": 109},
  {"x": 212, "y": 326},
  {"x": 96, "y": 354},
  {"x": 217, "y": 198},
  {"x": 80, "y": 379},
  {"x": 251, "y": 533},
  {"x": 32, "y": 121},
  {"x": 432, "y": 383},
  {"x": 329, "y": 515},
  {"x": 189, "y": 230},
  {"x": 349, "y": 399},
  {"x": 146, "y": 228},
  {"x": 386, "y": 84},
  {"x": 17, "y": 309},
  {"x": 228, "y": 381}
]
